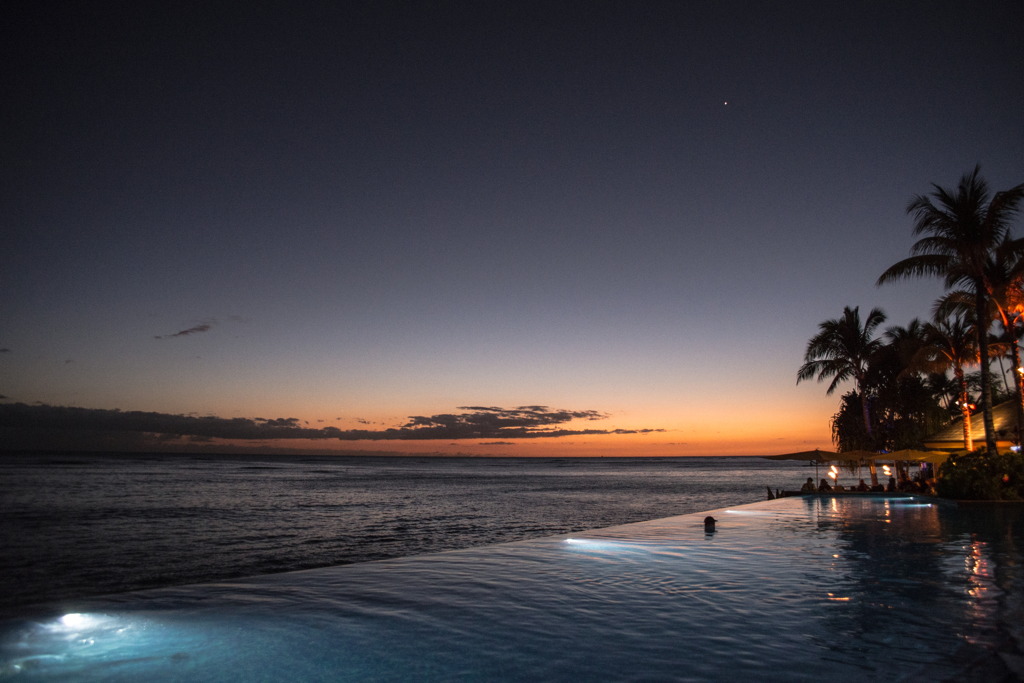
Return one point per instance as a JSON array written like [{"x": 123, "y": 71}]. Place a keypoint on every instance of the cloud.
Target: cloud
[
  {"x": 278, "y": 422},
  {"x": 184, "y": 333},
  {"x": 47, "y": 417},
  {"x": 486, "y": 422},
  {"x": 5, "y": 350},
  {"x": 496, "y": 443},
  {"x": 526, "y": 422}
]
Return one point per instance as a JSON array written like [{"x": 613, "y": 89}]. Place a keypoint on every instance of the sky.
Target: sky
[{"x": 538, "y": 228}]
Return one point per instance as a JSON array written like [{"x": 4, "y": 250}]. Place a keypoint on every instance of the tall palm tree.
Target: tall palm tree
[
  {"x": 1006, "y": 277},
  {"x": 1005, "y": 306},
  {"x": 951, "y": 343},
  {"x": 841, "y": 350},
  {"x": 963, "y": 229}
]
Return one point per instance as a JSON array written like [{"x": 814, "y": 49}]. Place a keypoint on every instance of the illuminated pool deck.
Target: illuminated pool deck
[{"x": 810, "y": 588}]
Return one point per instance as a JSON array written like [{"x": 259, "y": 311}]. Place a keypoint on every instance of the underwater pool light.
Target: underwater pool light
[
  {"x": 594, "y": 544},
  {"x": 75, "y": 620},
  {"x": 74, "y": 623}
]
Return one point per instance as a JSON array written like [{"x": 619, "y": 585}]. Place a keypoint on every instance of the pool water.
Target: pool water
[
  {"x": 81, "y": 524},
  {"x": 846, "y": 588}
]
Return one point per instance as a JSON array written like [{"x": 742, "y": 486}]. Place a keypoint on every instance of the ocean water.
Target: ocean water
[
  {"x": 866, "y": 588},
  {"x": 75, "y": 525}
]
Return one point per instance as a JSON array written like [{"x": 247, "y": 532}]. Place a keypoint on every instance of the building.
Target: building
[{"x": 1004, "y": 416}]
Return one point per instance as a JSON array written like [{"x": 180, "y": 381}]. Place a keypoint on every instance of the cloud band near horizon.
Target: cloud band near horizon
[{"x": 524, "y": 422}]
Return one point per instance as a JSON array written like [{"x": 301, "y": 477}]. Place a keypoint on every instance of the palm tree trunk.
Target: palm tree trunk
[
  {"x": 981, "y": 312},
  {"x": 965, "y": 408},
  {"x": 1018, "y": 379}
]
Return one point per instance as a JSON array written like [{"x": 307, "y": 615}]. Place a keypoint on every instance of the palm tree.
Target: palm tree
[
  {"x": 963, "y": 229},
  {"x": 903, "y": 409},
  {"x": 1006, "y": 307},
  {"x": 1006, "y": 276},
  {"x": 951, "y": 343},
  {"x": 841, "y": 350},
  {"x": 943, "y": 388},
  {"x": 905, "y": 342}
]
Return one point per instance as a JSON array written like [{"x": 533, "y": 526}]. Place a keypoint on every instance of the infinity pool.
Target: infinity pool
[{"x": 845, "y": 588}]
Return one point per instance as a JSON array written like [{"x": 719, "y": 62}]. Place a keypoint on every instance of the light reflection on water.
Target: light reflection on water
[{"x": 784, "y": 590}]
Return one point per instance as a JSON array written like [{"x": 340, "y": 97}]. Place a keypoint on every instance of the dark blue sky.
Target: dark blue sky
[{"x": 387, "y": 210}]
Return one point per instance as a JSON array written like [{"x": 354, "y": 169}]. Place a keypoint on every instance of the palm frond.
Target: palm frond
[
  {"x": 959, "y": 302},
  {"x": 1004, "y": 206},
  {"x": 915, "y": 266}
]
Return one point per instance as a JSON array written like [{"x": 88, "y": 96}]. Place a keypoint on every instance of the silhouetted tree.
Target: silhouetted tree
[
  {"x": 842, "y": 350},
  {"x": 902, "y": 409},
  {"x": 950, "y": 344}
]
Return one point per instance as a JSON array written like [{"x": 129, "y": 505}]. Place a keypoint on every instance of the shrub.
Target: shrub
[{"x": 977, "y": 476}]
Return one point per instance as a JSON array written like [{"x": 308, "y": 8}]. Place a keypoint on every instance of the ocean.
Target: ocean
[{"x": 85, "y": 524}]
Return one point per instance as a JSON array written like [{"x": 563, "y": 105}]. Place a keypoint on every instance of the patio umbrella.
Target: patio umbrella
[
  {"x": 818, "y": 456},
  {"x": 855, "y": 455},
  {"x": 911, "y": 455},
  {"x": 937, "y": 458}
]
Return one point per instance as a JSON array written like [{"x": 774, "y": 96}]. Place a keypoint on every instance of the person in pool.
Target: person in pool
[
  {"x": 808, "y": 486},
  {"x": 863, "y": 486},
  {"x": 891, "y": 488},
  {"x": 823, "y": 486}
]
